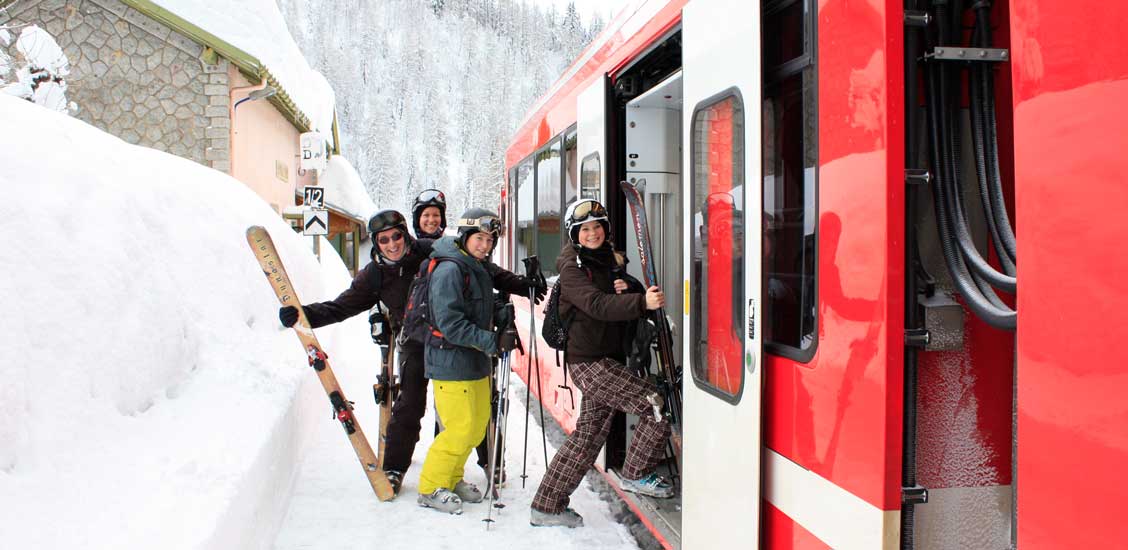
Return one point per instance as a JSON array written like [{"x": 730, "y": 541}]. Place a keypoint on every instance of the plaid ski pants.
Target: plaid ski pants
[{"x": 607, "y": 386}]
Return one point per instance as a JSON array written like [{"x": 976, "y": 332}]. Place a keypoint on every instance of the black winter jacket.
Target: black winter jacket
[{"x": 601, "y": 325}]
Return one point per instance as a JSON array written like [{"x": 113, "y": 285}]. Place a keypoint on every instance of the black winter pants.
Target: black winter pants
[{"x": 408, "y": 410}]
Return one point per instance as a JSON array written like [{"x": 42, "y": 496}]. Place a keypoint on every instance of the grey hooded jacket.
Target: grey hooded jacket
[{"x": 462, "y": 313}]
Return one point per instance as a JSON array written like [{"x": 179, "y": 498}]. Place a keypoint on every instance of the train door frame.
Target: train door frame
[{"x": 723, "y": 499}]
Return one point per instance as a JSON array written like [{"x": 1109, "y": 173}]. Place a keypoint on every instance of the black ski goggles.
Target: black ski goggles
[
  {"x": 431, "y": 196},
  {"x": 586, "y": 209},
  {"x": 385, "y": 220},
  {"x": 485, "y": 224}
]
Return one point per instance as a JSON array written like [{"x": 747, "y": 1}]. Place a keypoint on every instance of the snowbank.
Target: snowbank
[{"x": 149, "y": 397}]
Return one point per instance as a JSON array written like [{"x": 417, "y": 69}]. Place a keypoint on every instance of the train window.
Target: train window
[
  {"x": 589, "y": 177},
  {"x": 571, "y": 161},
  {"x": 548, "y": 205},
  {"x": 790, "y": 164},
  {"x": 523, "y": 241},
  {"x": 716, "y": 315}
]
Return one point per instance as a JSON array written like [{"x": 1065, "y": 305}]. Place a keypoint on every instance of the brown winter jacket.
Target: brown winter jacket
[{"x": 600, "y": 326}]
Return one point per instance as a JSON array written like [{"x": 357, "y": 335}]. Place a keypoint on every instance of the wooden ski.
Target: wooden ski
[{"x": 267, "y": 255}]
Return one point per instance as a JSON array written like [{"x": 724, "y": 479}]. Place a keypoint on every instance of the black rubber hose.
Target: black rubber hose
[
  {"x": 998, "y": 203},
  {"x": 975, "y": 300},
  {"x": 980, "y": 138},
  {"x": 912, "y": 259},
  {"x": 958, "y": 222}
]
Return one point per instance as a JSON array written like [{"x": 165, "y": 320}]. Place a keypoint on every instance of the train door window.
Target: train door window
[
  {"x": 571, "y": 163},
  {"x": 589, "y": 177},
  {"x": 790, "y": 164},
  {"x": 548, "y": 205},
  {"x": 716, "y": 315},
  {"x": 524, "y": 240}
]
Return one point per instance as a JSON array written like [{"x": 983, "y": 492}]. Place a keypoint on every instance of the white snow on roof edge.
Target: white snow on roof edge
[{"x": 257, "y": 28}]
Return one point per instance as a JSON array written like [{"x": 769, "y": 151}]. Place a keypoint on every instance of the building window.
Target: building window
[
  {"x": 790, "y": 164},
  {"x": 589, "y": 177},
  {"x": 717, "y": 306},
  {"x": 524, "y": 240},
  {"x": 548, "y": 205}
]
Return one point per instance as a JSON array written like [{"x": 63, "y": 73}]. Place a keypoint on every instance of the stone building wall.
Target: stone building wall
[{"x": 134, "y": 77}]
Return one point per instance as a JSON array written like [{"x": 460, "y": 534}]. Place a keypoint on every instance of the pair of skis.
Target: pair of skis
[
  {"x": 668, "y": 376},
  {"x": 267, "y": 256}
]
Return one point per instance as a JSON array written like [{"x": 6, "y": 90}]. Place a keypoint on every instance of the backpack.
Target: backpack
[
  {"x": 554, "y": 328},
  {"x": 418, "y": 321}
]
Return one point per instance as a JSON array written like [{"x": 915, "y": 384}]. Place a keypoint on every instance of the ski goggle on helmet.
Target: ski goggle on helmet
[
  {"x": 581, "y": 212},
  {"x": 430, "y": 197},
  {"x": 485, "y": 224},
  {"x": 385, "y": 220}
]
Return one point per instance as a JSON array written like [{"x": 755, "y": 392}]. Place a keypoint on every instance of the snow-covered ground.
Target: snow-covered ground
[{"x": 148, "y": 396}]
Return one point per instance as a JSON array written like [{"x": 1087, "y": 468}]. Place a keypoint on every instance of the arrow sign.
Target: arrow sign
[{"x": 315, "y": 222}]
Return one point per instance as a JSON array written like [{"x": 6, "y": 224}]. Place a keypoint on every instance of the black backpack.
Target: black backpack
[
  {"x": 418, "y": 321},
  {"x": 554, "y": 328}
]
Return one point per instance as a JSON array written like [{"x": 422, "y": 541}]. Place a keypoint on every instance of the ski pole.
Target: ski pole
[
  {"x": 533, "y": 273},
  {"x": 492, "y": 461}
]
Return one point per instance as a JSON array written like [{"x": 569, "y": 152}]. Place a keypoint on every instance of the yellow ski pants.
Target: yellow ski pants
[{"x": 464, "y": 409}]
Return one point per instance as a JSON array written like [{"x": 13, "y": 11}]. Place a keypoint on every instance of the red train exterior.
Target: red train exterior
[{"x": 833, "y": 420}]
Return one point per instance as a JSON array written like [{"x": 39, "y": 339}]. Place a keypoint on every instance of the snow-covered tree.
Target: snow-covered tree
[
  {"x": 436, "y": 102},
  {"x": 40, "y": 78}
]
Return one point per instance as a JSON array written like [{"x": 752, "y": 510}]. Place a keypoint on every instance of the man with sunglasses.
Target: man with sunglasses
[{"x": 396, "y": 257}]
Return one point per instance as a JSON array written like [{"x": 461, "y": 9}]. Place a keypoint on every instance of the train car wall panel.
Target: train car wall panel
[
  {"x": 1070, "y": 91},
  {"x": 838, "y": 413}
]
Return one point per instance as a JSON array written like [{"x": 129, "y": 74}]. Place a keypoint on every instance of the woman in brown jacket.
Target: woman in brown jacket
[{"x": 597, "y": 337}]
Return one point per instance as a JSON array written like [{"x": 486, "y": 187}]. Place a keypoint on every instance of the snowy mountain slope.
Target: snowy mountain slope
[{"x": 430, "y": 93}]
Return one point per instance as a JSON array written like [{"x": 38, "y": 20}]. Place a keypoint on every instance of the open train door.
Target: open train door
[
  {"x": 722, "y": 209},
  {"x": 591, "y": 139}
]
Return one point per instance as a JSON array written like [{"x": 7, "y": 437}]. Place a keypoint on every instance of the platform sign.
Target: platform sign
[
  {"x": 314, "y": 196},
  {"x": 315, "y": 222},
  {"x": 315, "y": 153}
]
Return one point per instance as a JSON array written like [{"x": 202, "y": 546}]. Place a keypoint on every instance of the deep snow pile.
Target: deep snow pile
[{"x": 149, "y": 398}]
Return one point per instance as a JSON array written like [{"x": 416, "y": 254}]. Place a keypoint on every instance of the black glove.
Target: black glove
[
  {"x": 288, "y": 315},
  {"x": 538, "y": 286},
  {"x": 379, "y": 325},
  {"x": 509, "y": 340}
]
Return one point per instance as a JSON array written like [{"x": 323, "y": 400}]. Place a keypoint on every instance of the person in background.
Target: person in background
[{"x": 428, "y": 214}]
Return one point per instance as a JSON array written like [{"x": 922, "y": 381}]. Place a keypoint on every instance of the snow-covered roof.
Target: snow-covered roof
[
  {"x": 344, "y": 190},
  {"x": 257, "y": 28}
]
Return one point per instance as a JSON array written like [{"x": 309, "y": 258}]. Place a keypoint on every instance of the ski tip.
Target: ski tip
[{"x": 255, "y": 229}]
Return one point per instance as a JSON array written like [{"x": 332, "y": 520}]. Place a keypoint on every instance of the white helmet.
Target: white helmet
[{"x": 581, "y": 212}]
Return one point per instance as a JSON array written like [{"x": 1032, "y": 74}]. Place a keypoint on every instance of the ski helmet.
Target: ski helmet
[
  {"x": 383, "y": 221},
  {"x": 428, "y": 198},
  {"x": 581, "y": 212},
  {"x": 478, "y": 220}
]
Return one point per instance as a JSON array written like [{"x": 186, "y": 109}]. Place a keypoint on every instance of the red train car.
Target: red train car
[{"x": 844, "y": 197}]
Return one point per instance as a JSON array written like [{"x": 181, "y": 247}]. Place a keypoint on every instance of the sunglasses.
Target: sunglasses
[
  {"x": 394, "y": 237},
  {"x": 588, "y": 208},
  {"x": 485, "y": 224}
]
